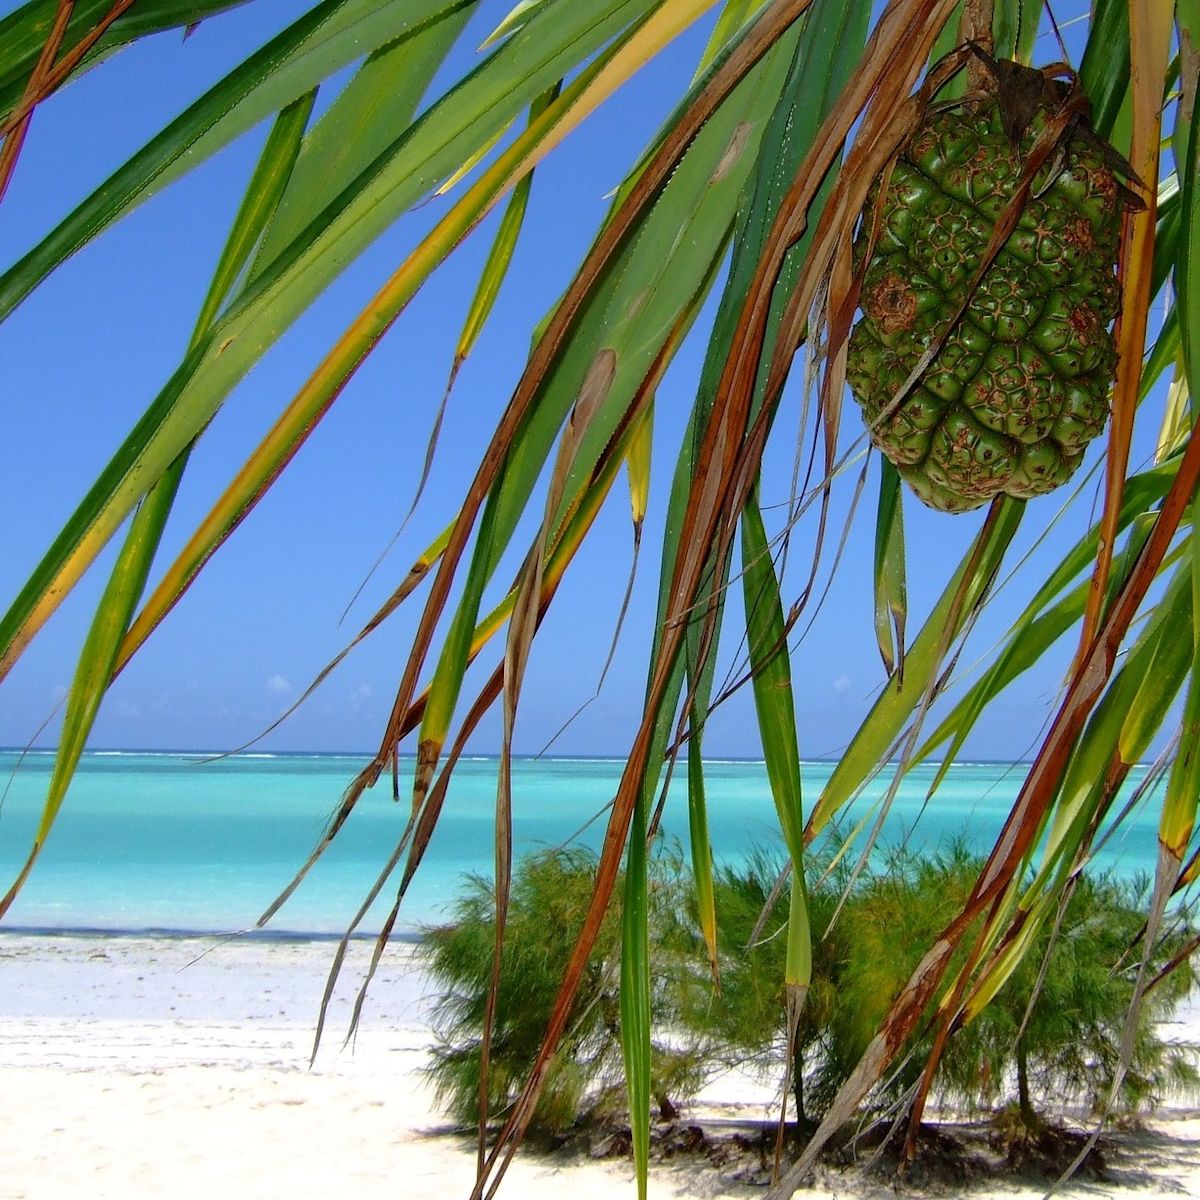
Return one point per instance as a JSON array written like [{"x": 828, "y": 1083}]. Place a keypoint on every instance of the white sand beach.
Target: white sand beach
[{"x": 132, "y": 1067}]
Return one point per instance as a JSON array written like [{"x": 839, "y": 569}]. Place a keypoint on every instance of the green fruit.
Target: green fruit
[{"x": 1021, "y": 384}]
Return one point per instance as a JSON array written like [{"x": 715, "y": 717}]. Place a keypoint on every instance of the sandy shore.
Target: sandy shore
[{"x": 134, "y": 1067}]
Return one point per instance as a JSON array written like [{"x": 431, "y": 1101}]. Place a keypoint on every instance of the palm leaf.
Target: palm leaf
[
  {"x": 1150, "y": 43},
  {"x": 95, "y": 30},
  {"x": 722, "y": 458},
  {"x": 516, "y": 72},
  {"x": 101, "y": 659}
]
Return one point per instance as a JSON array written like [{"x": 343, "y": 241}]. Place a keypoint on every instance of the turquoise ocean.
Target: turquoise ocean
[{"x": 165, "y": 842}]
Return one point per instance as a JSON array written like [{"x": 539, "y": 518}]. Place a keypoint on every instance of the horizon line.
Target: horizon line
[{"x": 221, "y": 755}]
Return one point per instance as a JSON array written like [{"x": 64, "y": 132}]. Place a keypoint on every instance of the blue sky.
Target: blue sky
[{"x": 86, "y": 352}]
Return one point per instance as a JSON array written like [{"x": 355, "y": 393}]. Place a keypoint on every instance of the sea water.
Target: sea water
[{"x": 165, "y": 841}]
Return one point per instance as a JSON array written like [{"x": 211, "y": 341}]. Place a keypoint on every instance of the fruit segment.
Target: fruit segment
[{"x": 1021, "y": 384}]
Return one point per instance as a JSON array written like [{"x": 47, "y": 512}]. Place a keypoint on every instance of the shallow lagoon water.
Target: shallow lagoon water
[{"x": 164, "y": 841}]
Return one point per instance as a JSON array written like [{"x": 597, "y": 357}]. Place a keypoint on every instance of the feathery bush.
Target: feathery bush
[
  {"x": 550, "y": 894},
  {"x": 1065, "y": 1050}
]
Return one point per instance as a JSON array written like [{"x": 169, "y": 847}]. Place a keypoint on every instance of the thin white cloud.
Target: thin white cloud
[
  {"x": 279, "y": 686},
  {"x": 841, "y": 683}
]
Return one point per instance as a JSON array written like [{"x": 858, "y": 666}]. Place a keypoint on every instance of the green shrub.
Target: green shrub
[
  {"x": 1069, "y": 1046},
  {"x": 1070, "y": 1042},
  {"x": 743, "y": 1019},
  {"x": 550, "y": 894}
]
